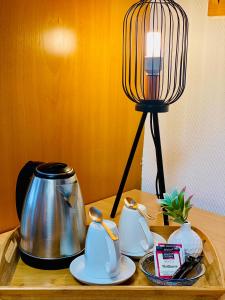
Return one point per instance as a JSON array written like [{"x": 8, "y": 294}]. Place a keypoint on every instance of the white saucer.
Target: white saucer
[
  {"x": 157, "y": 238},
  {"x": 136, "y": 255},
  {"x": 77, "y": 269}
]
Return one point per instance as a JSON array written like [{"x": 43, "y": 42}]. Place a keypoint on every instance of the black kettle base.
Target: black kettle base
[{"x": 47, "y": 264}]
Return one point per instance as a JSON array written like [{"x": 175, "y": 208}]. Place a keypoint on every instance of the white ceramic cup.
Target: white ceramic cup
[
  {"x": 102, "y": 254},
  {"x": 135, "y": 235}
]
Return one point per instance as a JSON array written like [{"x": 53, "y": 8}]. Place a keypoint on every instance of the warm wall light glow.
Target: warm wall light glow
[
  {"x": 59, "y": 41},
  {"x": 153, "y": 44}
]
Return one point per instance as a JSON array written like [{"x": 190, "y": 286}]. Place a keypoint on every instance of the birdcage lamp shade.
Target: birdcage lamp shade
[{"x": 155, "y": 42}]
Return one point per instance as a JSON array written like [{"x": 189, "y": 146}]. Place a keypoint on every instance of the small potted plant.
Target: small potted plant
[{"x": 177, "y": 208}]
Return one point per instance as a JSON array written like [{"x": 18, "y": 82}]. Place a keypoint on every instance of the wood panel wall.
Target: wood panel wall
[
  {"x": 216, "y": 8},
  {"x": 61, "y": 97}
]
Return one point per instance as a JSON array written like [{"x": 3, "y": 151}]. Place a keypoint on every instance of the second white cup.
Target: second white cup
[{"x": 135, "y": 235}]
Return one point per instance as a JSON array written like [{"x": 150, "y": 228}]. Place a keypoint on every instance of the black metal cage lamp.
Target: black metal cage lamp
[{"x": 155, "y": 43}]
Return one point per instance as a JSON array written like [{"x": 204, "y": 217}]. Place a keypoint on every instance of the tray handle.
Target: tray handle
[{"x": 9, "y": 257}]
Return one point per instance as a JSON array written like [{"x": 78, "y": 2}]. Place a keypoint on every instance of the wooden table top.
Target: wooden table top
[{"x": 211, "y": 224}]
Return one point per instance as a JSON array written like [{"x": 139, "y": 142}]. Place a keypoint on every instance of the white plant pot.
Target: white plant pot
[{"x": 190, "y": 240}]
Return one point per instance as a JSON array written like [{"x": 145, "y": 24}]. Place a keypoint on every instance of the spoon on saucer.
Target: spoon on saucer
[
  {"x": 131, "y": 203},
  {"x": 96, "y": 216}
]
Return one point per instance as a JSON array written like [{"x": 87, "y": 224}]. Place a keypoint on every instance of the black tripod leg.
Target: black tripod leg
[
  {"x": 159, "y": 159},
  {"x": 128, "y": 165}
]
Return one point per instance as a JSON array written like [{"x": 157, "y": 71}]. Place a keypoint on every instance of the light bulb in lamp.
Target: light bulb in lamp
[{"x": 153, "y": 53}]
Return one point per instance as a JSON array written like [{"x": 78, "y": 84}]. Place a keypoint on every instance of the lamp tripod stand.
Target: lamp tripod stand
[{"x": 160, "y": 181}]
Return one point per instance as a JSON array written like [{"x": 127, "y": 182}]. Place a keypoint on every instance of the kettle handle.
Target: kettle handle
[{"x": 22, "y": 184}]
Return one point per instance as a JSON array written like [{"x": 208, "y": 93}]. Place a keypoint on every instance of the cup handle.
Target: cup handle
[
  {"x": 148, "y": 243},
  {"x": 111, "y": 265}
]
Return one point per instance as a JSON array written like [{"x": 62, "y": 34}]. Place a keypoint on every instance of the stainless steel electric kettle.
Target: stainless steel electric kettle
[{"x": 51, "y": 210}]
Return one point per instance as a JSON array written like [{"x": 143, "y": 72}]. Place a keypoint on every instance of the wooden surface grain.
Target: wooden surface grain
[
  {"x": 61, "y": 96},
  {"x": 63, "y": 286}
]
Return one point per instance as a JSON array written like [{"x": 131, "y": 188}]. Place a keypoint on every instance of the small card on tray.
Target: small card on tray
[
  {"x": 168, "y": 258},
  {"x": 182, "y": 253}
]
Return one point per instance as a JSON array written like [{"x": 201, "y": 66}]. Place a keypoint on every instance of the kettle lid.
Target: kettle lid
[{"x": 54, "y": 170}]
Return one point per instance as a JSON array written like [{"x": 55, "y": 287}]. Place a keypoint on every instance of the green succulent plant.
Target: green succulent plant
[{"x": 176, "y": 206}]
